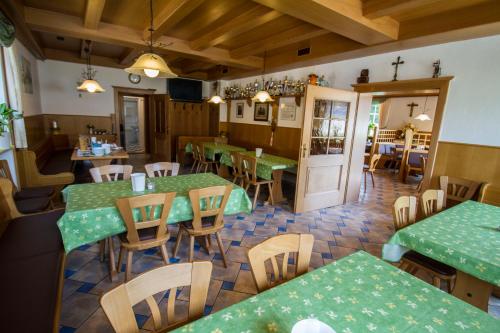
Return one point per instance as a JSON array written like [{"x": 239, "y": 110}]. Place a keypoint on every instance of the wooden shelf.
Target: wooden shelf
[{"x": 276, "y": 99}]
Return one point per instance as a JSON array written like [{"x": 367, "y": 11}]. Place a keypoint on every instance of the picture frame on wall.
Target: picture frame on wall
[
  {"x": 288, "y": 112},
  {"x": 261, "y": 111},
  {"x": 239, "y": 110}
]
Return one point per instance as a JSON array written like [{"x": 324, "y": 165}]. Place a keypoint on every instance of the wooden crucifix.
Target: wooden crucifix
[
  {"x": 397, "y": 63},
  {"x": 412, "y": 105}
]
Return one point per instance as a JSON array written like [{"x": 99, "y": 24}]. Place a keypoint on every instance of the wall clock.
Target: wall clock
[{"x": 134, "y": 78}]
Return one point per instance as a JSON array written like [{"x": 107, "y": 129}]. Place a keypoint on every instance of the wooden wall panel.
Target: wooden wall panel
[
  {"x": 35, "y": 130},
  {"x": 74, "y": 125},
  {"x": 286, "y": 139},
  {"x": 474, "y": 162}
]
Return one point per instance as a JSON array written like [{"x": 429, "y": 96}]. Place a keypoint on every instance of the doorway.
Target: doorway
[{"x": 133, "y": 134}]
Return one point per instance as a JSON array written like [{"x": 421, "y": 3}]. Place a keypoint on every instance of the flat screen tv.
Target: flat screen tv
[{"x": 185, "y": 90}]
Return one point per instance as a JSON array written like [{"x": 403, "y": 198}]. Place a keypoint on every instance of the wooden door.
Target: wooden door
[
  {"x": 159, "y": 128},
  {"x": 326, "y": 142}
]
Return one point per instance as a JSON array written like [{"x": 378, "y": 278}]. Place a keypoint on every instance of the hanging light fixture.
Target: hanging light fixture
[
  {"x": 262, "y": 95},
  {"x": 216, "y": 99},
  {"x": 423, "y": 116},
  {"x": 151, "y": 64},
  {"x": 89, "y": 84}
]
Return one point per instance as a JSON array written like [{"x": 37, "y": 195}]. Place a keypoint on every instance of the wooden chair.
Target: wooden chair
[
  {"x": 203, "y": 161},
  {"x": 249, "y": 165},
  {"x": 432, "y": 202},
  {"x": 30, "y": 176},
  {"x": 370, "y": 168},
  {"x": 112, "y": 172},
  {"x": 207, "y": 220},
  {"x": 404, "y": 214},
  {"x": 17, "y": 208},
  {"x": 118, "y": 303},
  {"x": 25, "y": 193},
  {"x": 419, "y": 169},
  {"x": 147, "y": 231},
  {"x": 285, "y": 244},
  {"x": 237, "y": 170},
  {"x": 162, "y": 169},
  {"x": 423, "y": 162},
  {"x": 196, "y": 159},
  {"x": 457, "y": 189},
  {"x": 490, "y": 194},
  {"x": 6, "y": 190}
]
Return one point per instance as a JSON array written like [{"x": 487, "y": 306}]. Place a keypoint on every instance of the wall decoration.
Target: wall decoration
[
  {"x": 396, "y": 64},
  {"x": 261, "y": 111},
  {"x": 437, "y": 69},
  {"x": 134, "y": 78},
  {"x": 288, "y": 112},
  {"x": 239, "y": 109},
  {"x": 26, "y": 76},
  {"x": 284, "y": 87},
  {"x": 363, "y": 77}
]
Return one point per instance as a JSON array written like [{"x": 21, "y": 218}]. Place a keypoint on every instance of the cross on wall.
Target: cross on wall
[{"x": 412, "y": 105}]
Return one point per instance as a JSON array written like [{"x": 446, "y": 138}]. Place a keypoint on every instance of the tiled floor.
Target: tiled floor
[{"x": 338, "y": 231}]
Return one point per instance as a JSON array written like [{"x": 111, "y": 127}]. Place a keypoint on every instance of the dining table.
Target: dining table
[
  {"x": 269, "y": 167},
  {"x": 358, "y": 293},
  {"x": 466, "y": 237},
  {"x": 213, "y": 149},
  {"x": 91, "y": 214},
  {"x": 98, "y": 161}
]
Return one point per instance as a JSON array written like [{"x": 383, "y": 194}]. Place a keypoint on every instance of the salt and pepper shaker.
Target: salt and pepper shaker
[{"x": 150, "y": 185}]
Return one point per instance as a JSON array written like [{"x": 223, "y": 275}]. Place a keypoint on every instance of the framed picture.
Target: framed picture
[
  {"x": 261, "y": 111},
  {"x": 26, "y": 78},
  {"x": 288, "y": 112},
  {"x": 239, "y": 110}
]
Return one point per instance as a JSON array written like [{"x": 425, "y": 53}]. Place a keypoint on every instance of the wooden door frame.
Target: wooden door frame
[
  {"x": 441, "y": 83},
  {"x": 120, "y": 91}
]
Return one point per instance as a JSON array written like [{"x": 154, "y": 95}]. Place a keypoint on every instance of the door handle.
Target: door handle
[{"x": 304, "y": 150}]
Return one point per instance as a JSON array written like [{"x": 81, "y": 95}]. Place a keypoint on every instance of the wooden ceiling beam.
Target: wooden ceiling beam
[
  {"x": 342, "y": 17},
  {"x": 374, "y": 9},
  {"x": 299, "y": 33},
  {"x": 93, "y": 13},
  {"x": 129, "y": 55},
  {"x": 197, "y": 67},
  {"x": 67, "y": 25},
  {"x": 75, "y": 57},
  {"x": 171, "y": 14},
  {"x": 242, "y": 23}
]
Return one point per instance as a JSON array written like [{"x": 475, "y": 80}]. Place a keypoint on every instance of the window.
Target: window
[{"x": 375, "y": 114}]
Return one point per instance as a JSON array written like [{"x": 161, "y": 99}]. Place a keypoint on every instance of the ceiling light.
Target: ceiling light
[
  {"x": 423, "y": 116},
  {"x": 151, "y": 64},
  {"x": 262, "y": 95},
  {"x": 89, "y": 84},
  {"x": 216, "y": 99}
]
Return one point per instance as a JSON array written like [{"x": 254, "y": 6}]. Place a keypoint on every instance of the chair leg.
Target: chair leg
[
  {"x": 209, "y": 238},
  {"x": 191, "y": 248},
  {"x": 206, "y": 167},
  {"x": 207, "y": 245},
  {"x": 256, "y": 195},
  {"x": 373, "y": 179},
  {"x": 270, "y": 187},
  {"x": 128, "y": 269},
  {"x": 194, "y": 164},
  {"x": 198, "y": 167},
  {"x": 221, "y": 249},
  {"x": 120, "y": 259},
  {"x": 164, "y": 253},
  {"x": 177, "y": 242},
  {"x": 102, "y": 249},
  {"x": 111, "y": 248},
  {"x": 436, "y": 282}
]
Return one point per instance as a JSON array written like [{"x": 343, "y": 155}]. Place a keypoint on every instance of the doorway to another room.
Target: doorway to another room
[{"x": 133, "y": 136}]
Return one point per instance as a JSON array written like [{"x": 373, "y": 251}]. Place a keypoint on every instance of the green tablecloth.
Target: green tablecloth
[
  {"x": 265, "y": 164},
  {"x": 358, "y": 293},
  {"x": 465, "y": 237},
  {"x": 212, "y": 148},
  {"x": 91, "y": 214}
]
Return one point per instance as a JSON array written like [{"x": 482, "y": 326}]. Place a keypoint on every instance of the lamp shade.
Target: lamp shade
[
  {"x": 91, "y": 86},
  {"x": 151, "y": 65},
  {"x": 262, "y": 96},
  {"x": 422, "y": 117},
  {"x": 216, "y": 99}
]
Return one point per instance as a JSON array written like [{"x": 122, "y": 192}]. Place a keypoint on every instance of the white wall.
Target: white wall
[
  {"x": 58, "y": 81},
  {"x": 398, "y": 112},
  {"x": 472, "y": 113}
]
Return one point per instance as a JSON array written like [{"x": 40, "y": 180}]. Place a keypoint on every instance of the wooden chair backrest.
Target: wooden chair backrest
[
  {"x": 285, "y": 244},
  {"x": 118, "y": 302},
  {"x": 404, "y": 211},
  {"x": 109, "y": 173},
  {"x": 236, "y": 162},
  {"x": 423, "y": 162},
  {"x": 5, "y": 173},
  {"x": 490, "y": 194},
  {"x": 200, "y": 151},
  {"x": 249, "y": 167},
  {"x": 432, "y": 202},
  {"x": 147, "y": 205},
  {"x": 457, "y": 189},
  {"x": 373, "y": 162},
  {"x": 6, "y": 192},
  {"x": 209, "y": 201},
  {"x": 162, "y": 169}
]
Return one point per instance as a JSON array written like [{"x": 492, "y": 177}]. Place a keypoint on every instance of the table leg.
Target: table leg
[
  {"x": 472, "y": 290},
  {"x": 113, "y": 274},
  {"x": 224, "y": 171},
  {"x": 277, "y": 190},
  {"x": 100, "y": 163}
]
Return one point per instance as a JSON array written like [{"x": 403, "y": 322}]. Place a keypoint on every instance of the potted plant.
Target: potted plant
[{"x": 6, "y": 116}]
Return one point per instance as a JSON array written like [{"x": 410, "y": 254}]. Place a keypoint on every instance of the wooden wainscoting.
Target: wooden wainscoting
[
  {"x": 74, "y": 125},
  {"x": 35, "y": 129},
  {"x": 469, "y": 161},
  {"x": 286, "y": 139}
]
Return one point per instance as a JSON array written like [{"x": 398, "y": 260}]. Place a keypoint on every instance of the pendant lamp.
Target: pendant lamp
[
  {"x": 89, "y": 84},
  {"x": 423, "y": 116},
  {"x": 216, "y": 99},
  {"x": 262, "y": 95},
  {"x": 151, "y": 64}
]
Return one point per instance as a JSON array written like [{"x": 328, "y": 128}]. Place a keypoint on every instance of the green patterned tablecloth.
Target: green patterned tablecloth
[
  {"x": 265, "y": 164},
  {"x": 356, "y": 294},
  {"x": 212, "y": 148},
  {"x": 465, "y": 237},
  {"x": 91, "y": 214}
]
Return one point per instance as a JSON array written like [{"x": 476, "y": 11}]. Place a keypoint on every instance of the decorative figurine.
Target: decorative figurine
[
  {"x": 437, "y": 69},
  {"x": 313, "y": 79},
  {"x": 363, "y": 76},
  {"x": 397, "y": 63}
]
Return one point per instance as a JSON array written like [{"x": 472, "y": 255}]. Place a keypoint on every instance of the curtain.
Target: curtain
[{"x": 384, "y": 113}]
